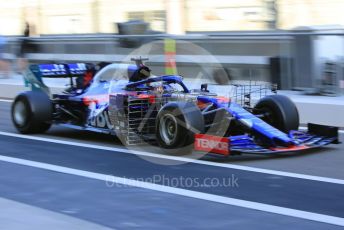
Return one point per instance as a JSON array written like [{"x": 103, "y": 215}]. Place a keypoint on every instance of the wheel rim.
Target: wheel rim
[
  {"x": 20, "y": 113},
  {"x": 168, "y": 128}
]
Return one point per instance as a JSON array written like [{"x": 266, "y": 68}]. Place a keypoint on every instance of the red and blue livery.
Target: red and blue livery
[{"x": 126, "y": 100}]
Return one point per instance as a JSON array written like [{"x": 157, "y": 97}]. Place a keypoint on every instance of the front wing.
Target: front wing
[{"x": 316, "y": 136}]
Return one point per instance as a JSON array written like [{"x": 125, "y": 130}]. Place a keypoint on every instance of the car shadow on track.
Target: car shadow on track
[{"x": 85, "y": 136}]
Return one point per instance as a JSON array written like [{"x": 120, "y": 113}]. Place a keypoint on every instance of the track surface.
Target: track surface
[{"x": 101, "y": 204}]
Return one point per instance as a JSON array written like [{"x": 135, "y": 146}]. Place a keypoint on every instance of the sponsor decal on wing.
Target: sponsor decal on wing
[{"x": 214, "y": 144}]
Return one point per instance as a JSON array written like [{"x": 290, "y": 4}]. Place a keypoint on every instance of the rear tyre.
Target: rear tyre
[
  {"x": 32, "y": 112},
  {"x": 177, "y": 124},
  {"x": 279, "y": 111}
]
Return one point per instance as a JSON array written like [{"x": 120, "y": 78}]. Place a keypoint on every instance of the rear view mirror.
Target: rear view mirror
[{"x": 204, "y": 88}]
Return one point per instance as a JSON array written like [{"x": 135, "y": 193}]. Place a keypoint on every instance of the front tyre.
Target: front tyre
[
  {"x": 31, "y": 112},
  {"x": 177, "y": 124},
  {"x": 279, "y": 111}
]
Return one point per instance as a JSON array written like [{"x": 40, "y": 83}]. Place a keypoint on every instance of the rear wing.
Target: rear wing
[
  {"x": 60, "y": 70},
  {"x": 35, "y": 73}
]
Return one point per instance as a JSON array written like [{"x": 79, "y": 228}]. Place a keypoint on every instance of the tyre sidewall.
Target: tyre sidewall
[
  {"x": 284, "y": 112},
  {"x": 178, "y": 141},
  {"x": 191, "y": 118},
  {"x": 38, "y": 110},
  {"x": 22, "y": 128}
]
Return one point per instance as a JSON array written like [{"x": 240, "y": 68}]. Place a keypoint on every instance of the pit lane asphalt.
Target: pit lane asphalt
[{"x": 137, "y": 205}]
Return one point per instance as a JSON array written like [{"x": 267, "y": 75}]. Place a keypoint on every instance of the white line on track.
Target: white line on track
[
  {"x": 182, "y": 192},
  {"x": 182, "y": 159},
  {"x": 6, "y": 100}
]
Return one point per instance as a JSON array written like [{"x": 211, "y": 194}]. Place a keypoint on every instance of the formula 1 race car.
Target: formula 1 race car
[{"x": 127, "y": 101}]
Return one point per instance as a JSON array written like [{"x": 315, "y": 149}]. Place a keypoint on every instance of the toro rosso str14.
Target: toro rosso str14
[{"x": 127, "y": 101}]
